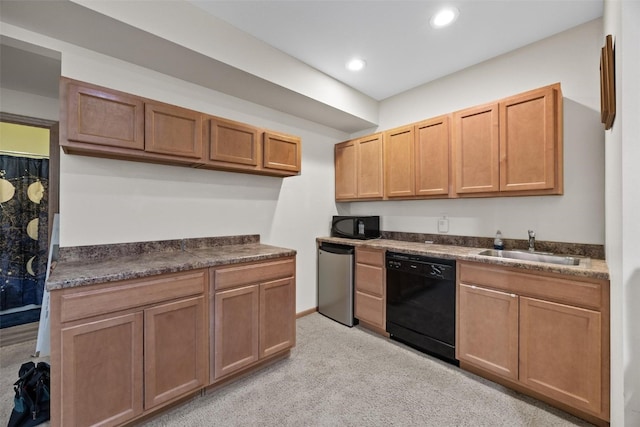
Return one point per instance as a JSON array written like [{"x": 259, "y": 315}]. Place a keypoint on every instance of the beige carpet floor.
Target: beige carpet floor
[{"x": 339, "y": 376}]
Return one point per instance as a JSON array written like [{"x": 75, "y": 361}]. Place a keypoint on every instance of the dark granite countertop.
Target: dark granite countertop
[
  {"x": 588, "y": 268},
  {"x": 81, "y": 266}
]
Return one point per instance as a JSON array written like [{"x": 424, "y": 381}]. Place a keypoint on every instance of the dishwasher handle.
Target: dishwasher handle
[{"x": 335, "y": 248}]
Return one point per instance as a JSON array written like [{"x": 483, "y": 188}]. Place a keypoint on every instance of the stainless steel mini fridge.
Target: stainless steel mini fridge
[{"x": 335, "y": 282}]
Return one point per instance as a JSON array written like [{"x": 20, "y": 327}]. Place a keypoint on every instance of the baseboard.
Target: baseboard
[
  {"x": 18, "y": 334},
  {"x": 306, "y": 312}
]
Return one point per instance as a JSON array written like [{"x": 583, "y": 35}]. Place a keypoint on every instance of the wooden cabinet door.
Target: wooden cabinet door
[
  {"x": 102, "y": 117},
  {"x": 175, "y": 339},
  {"x": 560, "y": 352},
  {"x": 173, "y": 130},
  {"x": 102, "y": 371},
  {"x": 236, "y": 329},
  {"x": 281, "y": 152},
  {"x": 370, "y": 309},
  {"x": 370, "y": 295},
  {"x": 233, "y": 142},
  {"x": 399, "y": 180},
  {"x": 488, "y": 330},
  {"x": 476, "y": 150},
  {"x": 528, "y": 140},
  {"x": 369, "y": 167},
  {"x": 346, "y": 180},
  {"x": 432, "y": 157},
  {"x": 277, "y": 316}
]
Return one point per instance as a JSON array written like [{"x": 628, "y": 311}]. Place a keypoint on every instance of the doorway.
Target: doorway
[
  {"x": 29, "y": 82},
  {"x": 29, "y": 196}
]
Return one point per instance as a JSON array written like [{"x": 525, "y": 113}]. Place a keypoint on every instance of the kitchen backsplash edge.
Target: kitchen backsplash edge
[
  {"x": 95, "y": 252},
  {"x": 579, "y": 249}
]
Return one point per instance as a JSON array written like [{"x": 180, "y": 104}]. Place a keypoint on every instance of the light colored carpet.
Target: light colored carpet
[
  {"x": 339, "y": 376},
  {"x": 11, "y": 357}
]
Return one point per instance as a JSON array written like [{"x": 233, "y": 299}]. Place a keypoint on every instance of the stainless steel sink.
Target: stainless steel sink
[{"x": 534, "y": 256}]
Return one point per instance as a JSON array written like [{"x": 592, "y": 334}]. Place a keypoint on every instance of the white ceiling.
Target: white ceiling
[
  {"x": 279, "y": 53},
  {"x": 394, "y": 36}
]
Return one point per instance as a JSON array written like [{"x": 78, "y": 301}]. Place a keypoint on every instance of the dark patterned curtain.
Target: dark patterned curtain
[{"x": 23, "y": 233}]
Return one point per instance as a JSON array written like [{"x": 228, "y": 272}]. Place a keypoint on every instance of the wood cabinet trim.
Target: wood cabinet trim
[
  {"x": 277, "y": 320},
  {"x": 346, "y": 173},
  {"x": 225, "y": 341},
  {"x": 74, "y": 413},
  {"x": 373, "y": 257},
  {"x": 359, "y": 168},
  {"x": 173, "y": 130},
  {"x": 399, "y": 162},
  {"x": 129, "y": 134},
  {"x": 496, "y": 313},
  {"x": 125, "y": 129},
  {"x": 433, "y": 163},
  {"x": 583, "y": 293},
  {"x": 80, "y": 303},
  {"x": 178, "y": 366},
  {"x": 477, "y": 171},
  {"x": 529, "y": 149},
  {"x": 577, "y": 315},
  {"x": 485, "y": 174},
  {"x": 370, "y": 309},
  {"x": 576, "y": 382},
  {"x": 227, "y": 149},
  {"x": 249, "y": 273},
  {"x": 281, "y": 152}
]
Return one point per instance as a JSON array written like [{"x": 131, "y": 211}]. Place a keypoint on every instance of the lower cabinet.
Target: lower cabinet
[
  {"x": 254, "y": 310},
  {"x": 542, "y": 334},
  {"x": 370, "y": 288},
  {"x": 112, "y": 350},
  {"x": 143, "y": 345}
]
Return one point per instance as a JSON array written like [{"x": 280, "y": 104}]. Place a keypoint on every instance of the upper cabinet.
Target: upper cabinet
[
  {"x": 96, "y": 116},
  {"x": 476, "y": 148},
  {"x": 233, "y": 143},
  {"x": 238, "y": 146},
  {"x": 511, "y": 147},
  {"x": 281, "y": 152},
  {"x": 399, "y": 169},
  {"x": 531, "y": 141},
  {"x": 172, "y": 130},
  {"x": 417, "y": 160},
  {"x": 358, "y": 168},
  {"x": 101, "y": 122},
  {"x": 432, "y": 157}
]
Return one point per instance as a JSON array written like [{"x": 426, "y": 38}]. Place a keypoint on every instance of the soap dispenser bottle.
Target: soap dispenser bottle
[{"x": 497, "y": 242}]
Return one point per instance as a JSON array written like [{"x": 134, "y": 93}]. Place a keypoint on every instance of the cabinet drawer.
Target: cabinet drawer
[
  {"x": 128, "y": 294},
  {"x": 370, "y": 279},
  {"x": 370, "y": 309},
  {"x": 581, "y": 293},
  {"x": 370, "y": 256},
  {"x": 244, "y": 274}
]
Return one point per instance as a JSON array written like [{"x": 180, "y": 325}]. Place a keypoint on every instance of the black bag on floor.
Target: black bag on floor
[{"x": 31, "y": 402}]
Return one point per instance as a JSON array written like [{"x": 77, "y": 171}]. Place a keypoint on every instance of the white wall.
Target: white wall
[
  {"x": 622, "y": 207},
  {"x": 28, "y": 104},
  {"x": 110, "y": 201},
  {"x": 107, "y": 201},
  {"x": 571, "y": 58}
]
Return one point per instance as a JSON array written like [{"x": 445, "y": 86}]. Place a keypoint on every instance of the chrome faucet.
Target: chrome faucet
[{"x": 532, "y": 241}]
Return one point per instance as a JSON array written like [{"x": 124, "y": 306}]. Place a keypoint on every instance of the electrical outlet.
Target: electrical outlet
[{"x": 443, "y": 225}]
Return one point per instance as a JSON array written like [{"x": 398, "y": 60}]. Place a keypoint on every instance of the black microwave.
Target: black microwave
[{"x": 356, "y": 227}]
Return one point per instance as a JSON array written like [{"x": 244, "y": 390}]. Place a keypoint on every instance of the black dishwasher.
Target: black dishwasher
[{"x": 421, "y": 303}]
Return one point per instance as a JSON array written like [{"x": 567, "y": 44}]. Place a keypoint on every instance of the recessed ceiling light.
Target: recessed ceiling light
[
  {"x": 356, "y": 64},
  {"x": 444, "y": 17}
]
